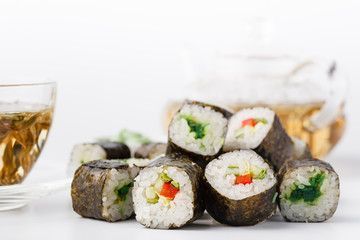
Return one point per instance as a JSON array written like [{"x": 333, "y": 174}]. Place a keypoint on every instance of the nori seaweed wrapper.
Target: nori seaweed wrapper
[
  {"x": 276, "y": 147},
  {"x": 196, "y": 175},
  {"x": 293, "y": 165},
  {"x": 115, "y": 150},
  {"x": 245, "y": 212},
  {"x": 227, "y": 114},
  {"x": 201, "y": 160},
  {"x": 88, "y": 184},
  {"x": 150, "y": 150}
]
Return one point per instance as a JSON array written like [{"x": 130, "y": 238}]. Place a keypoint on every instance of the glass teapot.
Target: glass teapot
[{"x": 307, "y": 93}]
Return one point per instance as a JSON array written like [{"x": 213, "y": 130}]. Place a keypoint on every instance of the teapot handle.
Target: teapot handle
[{"x": 331, "y": 109}]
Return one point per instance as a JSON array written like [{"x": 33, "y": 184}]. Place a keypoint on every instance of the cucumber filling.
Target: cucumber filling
[
  {"x": 251, "y": 172},
  {"x": 308, "y": 193},
  {"x": 250, "y": 126},
  {"x": 164, "y": 190}
]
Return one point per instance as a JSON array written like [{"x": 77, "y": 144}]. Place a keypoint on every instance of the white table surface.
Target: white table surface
[{"x": 53, "y": 218}]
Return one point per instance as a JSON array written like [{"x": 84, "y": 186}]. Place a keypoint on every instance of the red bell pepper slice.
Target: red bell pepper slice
[
  {"x": 248, "y": 122},
  {"x": 168, "y": 190},
  {"x": 243, "y": 179}
]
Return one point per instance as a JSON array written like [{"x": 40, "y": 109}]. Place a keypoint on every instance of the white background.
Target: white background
[{"x": 118, "y": 63}]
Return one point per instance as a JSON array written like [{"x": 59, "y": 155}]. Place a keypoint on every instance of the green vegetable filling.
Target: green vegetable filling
[
  {"x": 153, "y": 200},
  {"x": 123, "y": 191},
  {"x": 309, "y": 193},
  {"x": 164, "y": 177},
  {"x": 256, "y": 172},
  {"x": 202, "y": 146},
  {"x": 196, "y": 127},
  {"x": 175, "y": 184},
  {"x": 241, "y": 135},
  {"x": 262, "y": 120},
  {"x": 233, "y": 170},
  {"x": 152, "y": 192}
]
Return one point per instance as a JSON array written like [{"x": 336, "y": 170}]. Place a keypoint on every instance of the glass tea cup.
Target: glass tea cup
[
  {"x": 26, "y": 113},
  {"x": 308, "y": 94}
]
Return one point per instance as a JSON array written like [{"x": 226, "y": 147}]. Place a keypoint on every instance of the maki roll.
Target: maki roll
[
  {"x": 259, "y": 129},
  {"x": 168, "y": 193},
  {"x": 309, "y": 190},
  {"x": 86, "y": 152},
  {"x": 150, "y": 150},
  {"x": 102, "y": 189},
  {"x": 198, "y": 130},
  {"x": 300, "y": 149},
  {"x": 240, "y": 188}
]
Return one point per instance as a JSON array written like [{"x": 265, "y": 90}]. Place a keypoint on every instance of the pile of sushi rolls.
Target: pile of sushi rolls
[
  {"x": 261, "y": 130},
  {"x": 150, "y": 150},
  {"x": 86, "y": 152},
  {"x": 300, "y": 149},
  {"x": 308, "y": 190},
  {"x": 168, "y": 193},
  {"x": 240, "y": 188},
  {"x": 198, "y": 130},
  {"x": 101, "y": 189}
]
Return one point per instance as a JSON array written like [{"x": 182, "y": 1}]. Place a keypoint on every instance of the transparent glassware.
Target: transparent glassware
[
  {"x": 26, "y": 113},
  {"x": 18, "y": 195}
]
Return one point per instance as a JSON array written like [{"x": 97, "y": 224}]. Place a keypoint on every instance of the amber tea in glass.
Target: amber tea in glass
[{"x": 24, "y": 125}]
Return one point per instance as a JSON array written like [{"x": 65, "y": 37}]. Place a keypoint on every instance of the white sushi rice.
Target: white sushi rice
[
  {"x": 302, "y": 212},
  {"x": 215, "y": 173},
  {"x": 251, "y": 137},
  {"x": 158, "y": 215},
  {"x": 113, "y": 209},
  {"x": 83, "y": 153},
  {"x": 212, "y": 142}
]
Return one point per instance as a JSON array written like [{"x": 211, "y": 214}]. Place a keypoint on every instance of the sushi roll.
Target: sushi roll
[
  {"x": 300, "y": 149},
  {"x": 240, "y": 188},
  {"x": 150, "y": 150},
  {"x": 309, "y": 190},
  {"x": 86, "y": 152},
  {"x": 101, "y": 189},
  {"x": 259, "y": 129},
  {"x": 198, "y": 130},
  {"x": 168, "y": 193}
]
